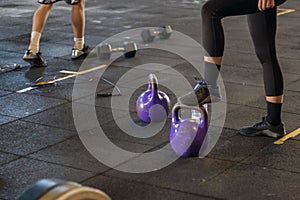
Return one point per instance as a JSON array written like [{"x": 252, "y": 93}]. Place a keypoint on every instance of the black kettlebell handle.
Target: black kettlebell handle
[
  {"x": 153, "y": 81},
  {"x": 178, "y": 106}
]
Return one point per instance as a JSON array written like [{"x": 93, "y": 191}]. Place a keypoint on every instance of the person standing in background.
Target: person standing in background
[{"x": 80, "y": 49}]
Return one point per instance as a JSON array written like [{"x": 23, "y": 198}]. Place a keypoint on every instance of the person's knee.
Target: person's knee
[
  {"x": 46, "y": 7},
  {"x": 79, "y": 5},
  {"x": 208, "y": 9},
  {"x": 43, "y": 10}
]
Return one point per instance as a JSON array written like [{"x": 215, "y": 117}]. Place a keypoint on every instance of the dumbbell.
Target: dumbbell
[
  {"x": 105, "y": 50},
  {"x": 54, "y": 189},
  {"x": 164, "y": 32}
]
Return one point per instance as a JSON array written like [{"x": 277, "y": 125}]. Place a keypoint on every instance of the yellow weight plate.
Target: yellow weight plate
[{"x": 84, "y": 193}]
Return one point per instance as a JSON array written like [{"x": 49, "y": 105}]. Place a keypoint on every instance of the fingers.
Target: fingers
[
  {"x": 265, "y": 4},
  {"x": 271, "y": 4},
  {"x": 260, "y": 2}
]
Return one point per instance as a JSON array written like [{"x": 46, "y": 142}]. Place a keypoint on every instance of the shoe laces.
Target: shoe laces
[
  {"x": 199, "y": 84},
  {"x": 264, "y": 121}
]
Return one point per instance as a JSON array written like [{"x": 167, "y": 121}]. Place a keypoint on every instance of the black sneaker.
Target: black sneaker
[
  {"x": 263, "y": 128},
  {"x": 201, "y": 94},
  {"x": 34, "y": 59},
  {"x": 81, "y": 54}
]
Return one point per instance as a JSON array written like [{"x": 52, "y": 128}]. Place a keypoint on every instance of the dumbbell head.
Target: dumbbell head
[
  {"x": 130, "y": 49},
  {"x": 165, "y": 32},
  {"x": 104, "y": 51},
  {"x": 148, "y": 35}
]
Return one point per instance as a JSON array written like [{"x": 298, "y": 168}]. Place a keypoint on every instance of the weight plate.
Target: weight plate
[
  {"x": 38, "y": 189},
  {"x": 84, "y": 193},
  {"x": 59, "y": 190}
]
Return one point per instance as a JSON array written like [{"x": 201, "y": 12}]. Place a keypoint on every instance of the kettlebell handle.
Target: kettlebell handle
[
  {"x": 153, "y": 82},
  {"x": 178, "y": 106}
]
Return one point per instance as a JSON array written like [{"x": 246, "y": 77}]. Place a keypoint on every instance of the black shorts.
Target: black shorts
[{"x": 71, "y": 2}]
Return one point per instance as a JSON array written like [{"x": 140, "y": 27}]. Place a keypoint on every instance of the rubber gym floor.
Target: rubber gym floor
[{"x": 38, "y": 137}]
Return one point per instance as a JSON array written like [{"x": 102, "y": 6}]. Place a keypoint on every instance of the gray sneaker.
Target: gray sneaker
[
  {"x": 263, "y": 128},
  {"x": 201, "y": 94},
  {"x": 34, "y": 59},
  {"x": 80, "y": 54}
]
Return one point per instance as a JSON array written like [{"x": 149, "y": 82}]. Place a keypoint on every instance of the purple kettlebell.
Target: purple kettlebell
[
  {"x": 187, "y": 135},
  {"x": 153, "y": 104}
]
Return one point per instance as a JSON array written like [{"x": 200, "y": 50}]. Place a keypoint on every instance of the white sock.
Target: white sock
[
  {"x": 79, "y": 43},
  {"x": 34, "y": 45}
]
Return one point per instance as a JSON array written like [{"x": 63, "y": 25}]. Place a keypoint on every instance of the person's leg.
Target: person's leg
[
  {"x": 263, "y": 32},
  {"x": 262, "y": 28},
  {"x": 80, "y": 50},
  {"x": 213, "y": 11},
  {"x": 212, "y": 14},
  {"x": 78, "y": 23},
  {"x": 39, "y": 20},
  {"x": 33, "y": 55}
]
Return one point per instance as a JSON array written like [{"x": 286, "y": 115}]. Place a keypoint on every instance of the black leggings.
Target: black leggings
[{"x": 262, "y": 26}]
